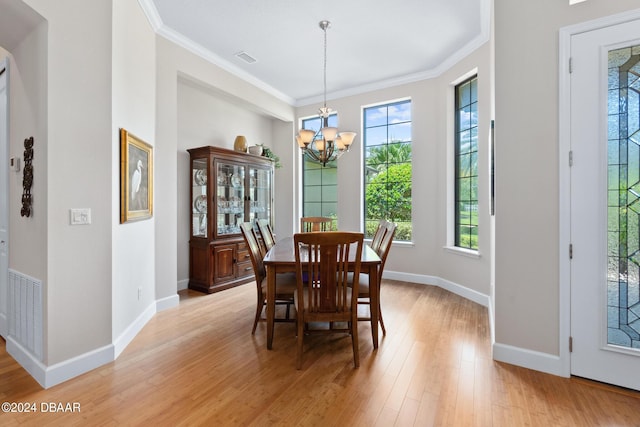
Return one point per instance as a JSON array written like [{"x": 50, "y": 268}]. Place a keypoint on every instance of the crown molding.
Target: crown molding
[
  {"x": 161, "y": 29},
  {"x": 168, "y": 33}
]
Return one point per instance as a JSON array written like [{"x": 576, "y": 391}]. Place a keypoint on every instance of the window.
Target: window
[
  {"x": 466, "y": 164},
  {"x": 319, "y": 184},
  {"x": 387, "y": 167}
]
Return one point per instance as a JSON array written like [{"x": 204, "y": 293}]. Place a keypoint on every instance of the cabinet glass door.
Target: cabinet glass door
[
  {"x": 259, "y": 194},
  {"x": 230, "y": 198},
  {"x": 199, "y": 194}
]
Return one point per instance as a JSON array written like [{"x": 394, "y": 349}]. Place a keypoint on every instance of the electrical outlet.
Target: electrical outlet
[
  {"x": 80, "y": 216},
  {"x": 139, "y": 293}
]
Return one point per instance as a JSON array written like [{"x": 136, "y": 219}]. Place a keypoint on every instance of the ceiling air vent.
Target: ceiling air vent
[{"x": 246, "y": 57}]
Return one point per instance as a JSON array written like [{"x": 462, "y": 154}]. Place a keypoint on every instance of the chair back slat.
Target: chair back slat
[
  {"x": 266, "y": 234},
  {"x": 376, "y": 241},
  {"x": 250, "y": 238},
  {"x": 385, "y": 244},
  {"x": 315, "y": 223},
  {"x": 326, "y": 271}
]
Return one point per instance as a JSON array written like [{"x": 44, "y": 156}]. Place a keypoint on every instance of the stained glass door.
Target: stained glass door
[
  {"x": 605, "y": 204},
  {"x": 623, "y": 213}
]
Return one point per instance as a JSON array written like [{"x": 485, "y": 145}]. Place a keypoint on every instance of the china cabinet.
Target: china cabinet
[{"x": 227, "y": 188}]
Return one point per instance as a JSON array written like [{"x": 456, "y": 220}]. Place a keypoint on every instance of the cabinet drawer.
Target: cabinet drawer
[
  {"x": 244, "y": 269},
  {"x": 243, "y": 256}
]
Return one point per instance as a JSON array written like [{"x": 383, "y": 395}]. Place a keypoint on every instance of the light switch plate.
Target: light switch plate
[
  {"x": 80, "y": 216},
  {"x": 14, "y": 164}
]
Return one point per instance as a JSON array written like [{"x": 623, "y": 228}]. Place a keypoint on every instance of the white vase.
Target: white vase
[{"x": 256, "y": 150}]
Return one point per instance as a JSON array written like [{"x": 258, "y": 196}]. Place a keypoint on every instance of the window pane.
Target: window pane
[
  {"x": 313, "y": 193},
  {"x": 387, "y": 169},
  {"x": 312, "y": 209},
  {"x": 399, "y": 112},
  {"x": 375, "y": 116},
  {"x": 319, "y": 183},
  {"x": 375, "y": 136},
  {"x": 466, "y": 164},
  {"x": 400, "y": 132},
  {"x": 312, "y": 177}
]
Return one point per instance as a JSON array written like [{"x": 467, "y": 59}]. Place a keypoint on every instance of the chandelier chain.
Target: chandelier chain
[{"x": 325, "y": 66}]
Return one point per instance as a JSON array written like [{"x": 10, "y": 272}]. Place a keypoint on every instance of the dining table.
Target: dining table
[{"x": 281, "y": 258}]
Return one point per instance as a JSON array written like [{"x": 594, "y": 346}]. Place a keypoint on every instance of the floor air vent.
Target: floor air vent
[{"x": 25, "y": 312}]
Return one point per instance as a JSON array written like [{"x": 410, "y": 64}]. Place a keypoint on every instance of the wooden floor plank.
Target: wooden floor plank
[{"x": 198, "y": 364}]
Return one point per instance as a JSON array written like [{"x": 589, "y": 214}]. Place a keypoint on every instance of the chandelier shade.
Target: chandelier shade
[{"x": 328, "y": 143}]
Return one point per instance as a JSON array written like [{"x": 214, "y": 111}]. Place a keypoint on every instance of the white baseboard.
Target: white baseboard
[
  {"x": 49, "y": 376},
  {"x": 452, "y": 287},
  {"x": 168, "y": 302},
  {"x": 529, "y": 359},
  {"x": 183, "y": 284},
  {"x": 133, "y": 329},
  {"x": 4, "y": 326}
]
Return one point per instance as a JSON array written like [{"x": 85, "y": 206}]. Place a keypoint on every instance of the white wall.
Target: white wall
[
  {"x": 526, "y": 72},
  {"x": 27, "y": 117},
  {"x": 285, "y": 177},
  {"x": 134, "y": 85},
  {"x": 71, "y": 94},
  {"x": 77, "y": 56}
]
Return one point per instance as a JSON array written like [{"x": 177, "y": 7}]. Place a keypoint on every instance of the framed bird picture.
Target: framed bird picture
[{"x": 136, "y": 178}]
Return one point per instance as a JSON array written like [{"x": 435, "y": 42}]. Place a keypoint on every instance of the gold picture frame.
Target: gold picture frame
[{"x": 136, "y": 178}]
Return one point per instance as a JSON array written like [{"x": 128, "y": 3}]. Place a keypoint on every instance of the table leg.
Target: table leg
[
  {"x": 271, "y": 303},
  {"x": 374, "y": 303}
]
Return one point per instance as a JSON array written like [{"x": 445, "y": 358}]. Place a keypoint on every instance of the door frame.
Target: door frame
[
  {"x": 4, "y": 204},
  {"x": 564, "y": 177}
]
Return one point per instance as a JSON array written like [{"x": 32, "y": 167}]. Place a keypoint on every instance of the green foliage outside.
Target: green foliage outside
[{"x": 388, "y": 191}]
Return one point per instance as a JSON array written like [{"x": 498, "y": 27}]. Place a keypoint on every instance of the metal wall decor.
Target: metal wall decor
[{"x": 27, "y": 178}]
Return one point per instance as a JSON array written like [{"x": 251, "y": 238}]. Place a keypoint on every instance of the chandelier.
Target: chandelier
[{"x": 327, "y": 144}]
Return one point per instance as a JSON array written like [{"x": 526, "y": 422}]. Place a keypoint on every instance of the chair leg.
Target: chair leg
[
  {"x": 354, "y": 341},
  {"x": 299, "y": 341},
  {"x": 384, "y": 331},
  {"x": 258, "y": 313}
]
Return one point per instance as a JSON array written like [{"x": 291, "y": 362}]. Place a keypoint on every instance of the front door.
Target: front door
[{"x": 605, "y": 204}]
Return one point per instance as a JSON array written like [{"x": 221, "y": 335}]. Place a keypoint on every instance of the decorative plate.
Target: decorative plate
[
  {"x": 200, "y": 177},
  {"x": 200, "y": 204},
  {"x": 235, "y": 180}
]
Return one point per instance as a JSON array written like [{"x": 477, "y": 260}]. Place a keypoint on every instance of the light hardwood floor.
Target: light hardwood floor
[{"x": 198, "y": 364}]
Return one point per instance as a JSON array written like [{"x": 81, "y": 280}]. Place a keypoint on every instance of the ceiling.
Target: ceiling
[{"x": 371, "y": 43}]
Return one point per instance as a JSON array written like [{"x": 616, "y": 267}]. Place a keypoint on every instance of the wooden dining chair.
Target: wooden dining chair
[
  {"x": 315, "y": 223},
  {"x": 323, "y": 293},
  {"x": 388, "y": 231},
  {"x": 376, "y": 240},
  {"x": 266, "y": 234},
  {"x": 285, "y": 282}
]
